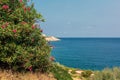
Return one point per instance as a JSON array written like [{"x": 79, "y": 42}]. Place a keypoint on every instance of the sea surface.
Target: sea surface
[{"x": 87, "y": 53}]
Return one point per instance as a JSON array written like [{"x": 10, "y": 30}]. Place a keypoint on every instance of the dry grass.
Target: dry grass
[{"x": 9, "y": 75}]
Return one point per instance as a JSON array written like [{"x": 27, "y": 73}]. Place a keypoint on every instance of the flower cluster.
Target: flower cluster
[
  {"x": 5, "y": 7},
  {"x": 33, "y": 26},
  {"x": 4, "y": 25},
  {"x": 14, "y": 30},
  {"x": 30, "y": 68},
  {"x": 26, "y": 9},
  {"x": 20, "y": 1}
]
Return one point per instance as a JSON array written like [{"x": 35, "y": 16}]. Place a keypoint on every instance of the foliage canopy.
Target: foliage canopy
[{"x": 22, "y": 46}]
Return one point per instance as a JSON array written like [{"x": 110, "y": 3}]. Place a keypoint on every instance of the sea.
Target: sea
[{"x": 87, "y": 53}]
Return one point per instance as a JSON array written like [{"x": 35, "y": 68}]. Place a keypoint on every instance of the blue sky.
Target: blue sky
[{"x": 80, "y": 18}]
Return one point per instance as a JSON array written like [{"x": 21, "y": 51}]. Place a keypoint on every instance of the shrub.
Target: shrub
[
  {"x": 22, "y": 46},
  {"x": 60, "y": 73},
  {"x": 107, "y": 74},
  {"x": 73, "y": 72},
  {"x": 86, "y": 73}
]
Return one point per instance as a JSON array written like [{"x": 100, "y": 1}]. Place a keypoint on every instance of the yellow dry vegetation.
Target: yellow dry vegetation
[{"x": 9, "y": 75}]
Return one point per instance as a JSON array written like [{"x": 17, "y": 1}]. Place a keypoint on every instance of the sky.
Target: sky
[{"x": 80, "y": 18}]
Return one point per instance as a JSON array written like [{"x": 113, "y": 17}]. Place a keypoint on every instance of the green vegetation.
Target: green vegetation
[
  {"x": 86, "y": 73},
  {"x": 73, "y": 72},
  {"x": 60, "y": 73},
  {"x": 107, "y": 74},
  {"x": 22, "y": 46}
]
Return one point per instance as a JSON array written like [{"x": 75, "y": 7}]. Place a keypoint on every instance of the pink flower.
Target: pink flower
[
  {"x": 20, "y": 0},
  {"x": 5, "y": 7},
  {"x": 3, "y": 26},
  {"x": 52, "y": 58},
  {"x": 33, "y": 27},
  {"x": 28, "y": 8},
  {"x": 25, "y": 9},
  {"x": 14, "y": 30},
  {"x": 30, "y": 68}
]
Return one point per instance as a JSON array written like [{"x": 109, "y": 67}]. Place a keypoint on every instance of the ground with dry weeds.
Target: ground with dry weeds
[{"x": 9, "y": 75}]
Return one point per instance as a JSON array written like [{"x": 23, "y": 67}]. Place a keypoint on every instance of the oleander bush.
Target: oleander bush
[{"x": 22, "y": 46}]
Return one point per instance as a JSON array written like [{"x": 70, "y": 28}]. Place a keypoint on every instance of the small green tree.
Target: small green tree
[{"x": 22, "y": 45}]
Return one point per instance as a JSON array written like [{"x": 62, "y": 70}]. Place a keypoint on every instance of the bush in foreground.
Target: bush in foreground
[{"x": 22, "y": 46}]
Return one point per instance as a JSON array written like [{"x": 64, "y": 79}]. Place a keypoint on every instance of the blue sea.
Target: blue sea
[{"x": 87, "y": 53}]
